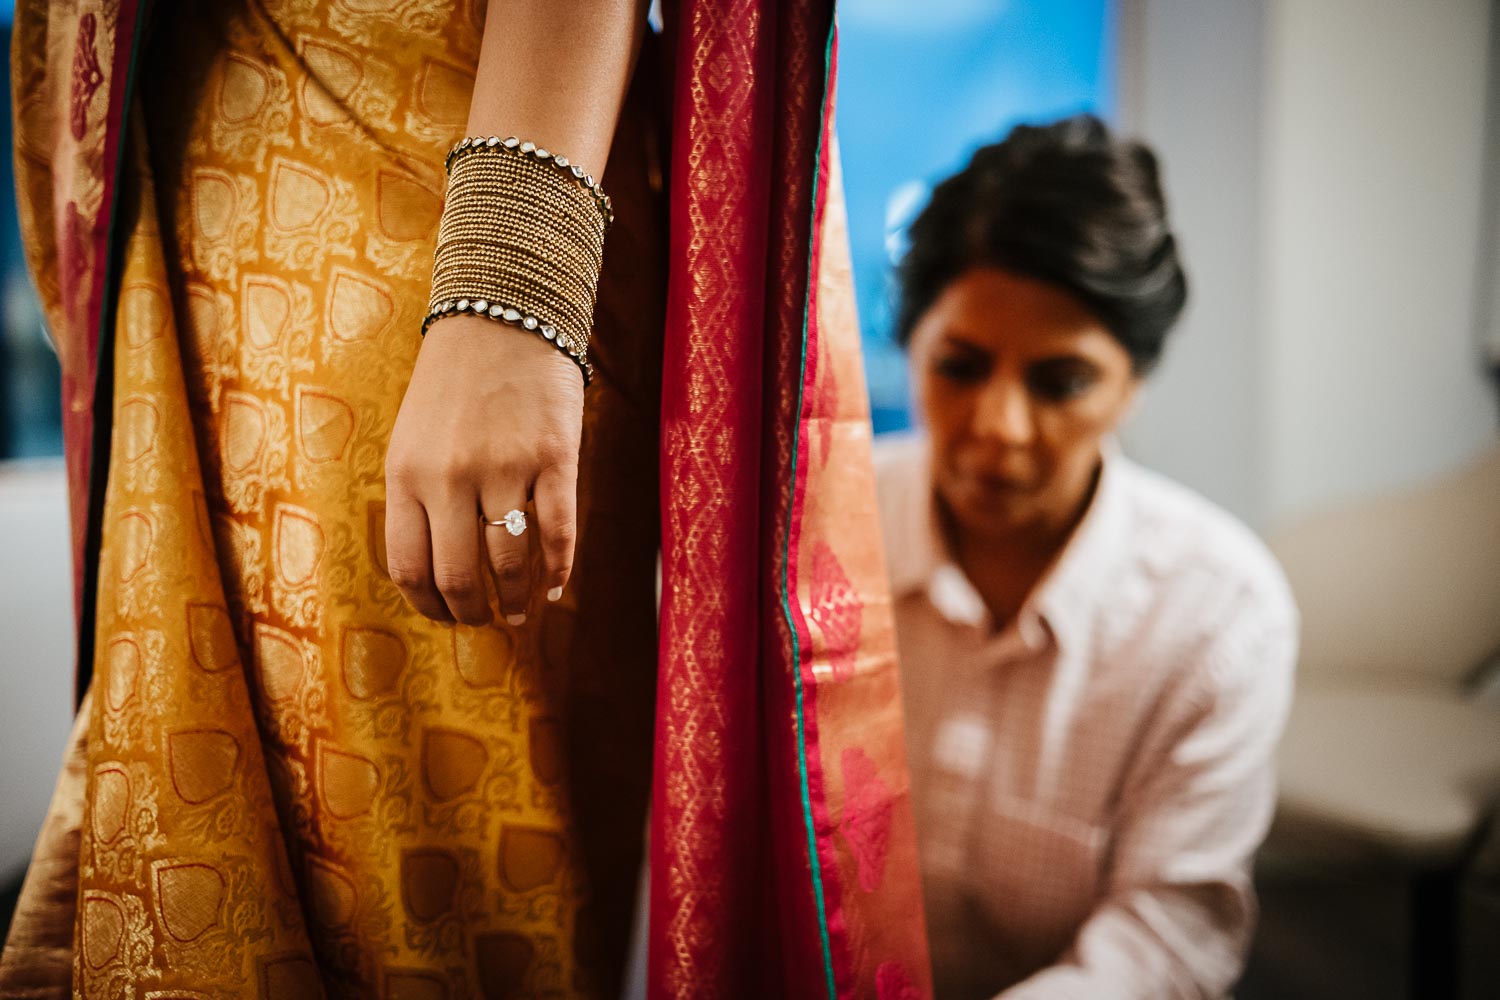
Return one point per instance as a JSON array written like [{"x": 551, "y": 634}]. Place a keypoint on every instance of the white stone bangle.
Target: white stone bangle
[{"x": 515, "y": 317}]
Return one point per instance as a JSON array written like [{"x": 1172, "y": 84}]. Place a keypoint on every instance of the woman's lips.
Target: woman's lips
[{"x": 986, "y": 488}]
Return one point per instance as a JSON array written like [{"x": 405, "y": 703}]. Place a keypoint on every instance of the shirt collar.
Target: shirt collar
[
  {"x": 1063, "y": 601},
  {"x": 1070, "y": 593}
]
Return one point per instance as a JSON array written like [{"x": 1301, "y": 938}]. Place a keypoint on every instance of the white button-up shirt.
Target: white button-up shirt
[{"x": 1092, "y": 779}]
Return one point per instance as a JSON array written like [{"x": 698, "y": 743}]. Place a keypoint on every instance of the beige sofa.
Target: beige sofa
[
  {"x": 1370, "y": 882},
  {"x": 1390, "y": 751}
]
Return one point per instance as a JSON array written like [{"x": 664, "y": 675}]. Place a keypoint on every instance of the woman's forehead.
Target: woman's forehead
[{"x": 989, "y": 310}]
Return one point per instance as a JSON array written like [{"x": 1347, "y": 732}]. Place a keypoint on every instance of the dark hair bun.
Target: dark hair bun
[{"x": 1066, "y": 203}]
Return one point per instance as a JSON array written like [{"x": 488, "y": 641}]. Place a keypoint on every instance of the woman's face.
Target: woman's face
[{"x": 1018, "y": 384}]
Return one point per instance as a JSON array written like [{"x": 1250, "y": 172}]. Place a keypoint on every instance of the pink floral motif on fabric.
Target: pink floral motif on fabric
[
  {"x": 891, "y": 983},
  {"x": 836, "y": 610},
  {"x": 87, "y": 76},
  {"x": 867, "y": 816}
]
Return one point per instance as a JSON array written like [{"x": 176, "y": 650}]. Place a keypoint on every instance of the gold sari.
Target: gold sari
[{"x": 292, "y": 783}]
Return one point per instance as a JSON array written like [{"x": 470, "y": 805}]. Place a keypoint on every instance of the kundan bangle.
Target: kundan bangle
[
  {"x": 526, "y": 321},
  {"x": 521, "y": 241}
]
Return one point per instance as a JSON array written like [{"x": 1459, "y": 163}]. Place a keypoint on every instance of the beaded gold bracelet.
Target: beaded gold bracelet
[
  {"x": 521, "y": 241},
  {"x": 475, "y": 143}
]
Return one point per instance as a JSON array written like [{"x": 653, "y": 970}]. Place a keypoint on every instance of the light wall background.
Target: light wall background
[
  {"x": 1325, "y": 161},
  {"x": 36, "y": 649}
]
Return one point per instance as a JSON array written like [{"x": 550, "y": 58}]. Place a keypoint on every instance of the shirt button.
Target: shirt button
[{"x": 961, "y": 744}]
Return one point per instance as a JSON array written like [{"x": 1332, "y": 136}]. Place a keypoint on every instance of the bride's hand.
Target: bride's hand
[{"x": 492, "y": 416}]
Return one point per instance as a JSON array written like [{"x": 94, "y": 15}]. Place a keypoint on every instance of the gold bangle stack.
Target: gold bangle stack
[{"x": 521, "y": 241}]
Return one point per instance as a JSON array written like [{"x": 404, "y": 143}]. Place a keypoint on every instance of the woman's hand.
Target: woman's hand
[{"x": 492, "y": 416}]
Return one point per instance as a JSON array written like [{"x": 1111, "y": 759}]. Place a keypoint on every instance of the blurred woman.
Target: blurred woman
[{"x": 1097, "y": 661}]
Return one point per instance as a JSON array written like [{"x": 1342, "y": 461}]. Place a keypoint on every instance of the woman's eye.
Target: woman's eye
[
  {"x": 1061, "y": 382},
  {"x": 956, "y": 368}
]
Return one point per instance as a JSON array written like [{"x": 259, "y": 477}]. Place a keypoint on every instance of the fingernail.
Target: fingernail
[
  {"x": 516, "y": 619},
  {"x": 555, "y": 594}
]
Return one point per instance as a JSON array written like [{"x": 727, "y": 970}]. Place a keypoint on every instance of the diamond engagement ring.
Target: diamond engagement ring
[{"x": 513, "y": 522}]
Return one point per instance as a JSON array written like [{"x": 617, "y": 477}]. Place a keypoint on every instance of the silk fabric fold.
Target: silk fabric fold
[
  {"x": 288, "y": 784},
  {"x": 783, "y": 855}
]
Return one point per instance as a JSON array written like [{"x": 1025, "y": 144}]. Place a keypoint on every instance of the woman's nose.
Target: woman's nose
[{"x": 1003, "y": 414}]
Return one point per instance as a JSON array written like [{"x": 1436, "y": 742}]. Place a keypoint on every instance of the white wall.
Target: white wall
[
  {"x": 1324, "y": 163},
  {"x": 36, "y": 650},
  {"x": 1374, "y": 156},
  {"x": 1191, "y": 87},
  {"x": 1489, "y": 240}
]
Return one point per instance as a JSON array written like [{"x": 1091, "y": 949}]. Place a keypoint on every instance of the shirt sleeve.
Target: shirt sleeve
[{"x": 1179, "y": 908}]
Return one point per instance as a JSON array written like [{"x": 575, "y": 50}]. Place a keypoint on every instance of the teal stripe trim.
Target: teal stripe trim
[{"x": 807, "y": 813}]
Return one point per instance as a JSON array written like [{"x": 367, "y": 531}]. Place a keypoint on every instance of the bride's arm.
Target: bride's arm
[
  {"x": 492, "y": 412},
  {"x": 555, "y": 72}
]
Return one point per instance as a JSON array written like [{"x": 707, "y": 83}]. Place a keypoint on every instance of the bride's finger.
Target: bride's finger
[
  {"x": 456, "y": 566},
  {"x": 556, "y": 496},
  {"x": 507, "y": 538},
  {"x": 408, "y": 555}
]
